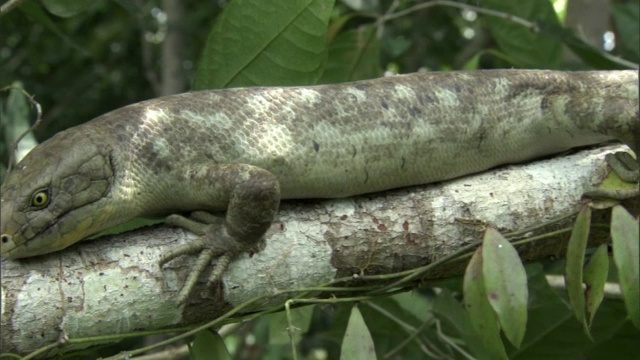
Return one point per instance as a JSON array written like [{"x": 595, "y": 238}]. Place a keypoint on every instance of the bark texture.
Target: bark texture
[{"x": 113, "y": 284}]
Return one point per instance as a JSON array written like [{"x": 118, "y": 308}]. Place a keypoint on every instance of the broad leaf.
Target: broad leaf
[
  {"x": 357, "y": 343},
  {"x": 625, "y": 238},
  {"x": 280, "y": 328},
  {"x": 519, "y": 42},
  {"x": 595, "y": 276},
  {"x": 627, "y": 20},
  {"x": 267, "y": 42},
  {"x": 454, "y": 320},
  {"x": 208, "y": 345},
  {"x": 506, "y": 284},
  {"x": 588, "y": 53},
  {"x": 553, "y": 332},
  {"x": 575, "y": 260},
  {"x": 391, "y": 320},
  {"x": 480, "y": 311},
  {"x": 66, "y": 8},
  {"x": 353, "y": 55}
]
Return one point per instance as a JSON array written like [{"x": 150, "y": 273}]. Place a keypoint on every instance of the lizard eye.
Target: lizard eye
[{"x": 40, "y": 198}]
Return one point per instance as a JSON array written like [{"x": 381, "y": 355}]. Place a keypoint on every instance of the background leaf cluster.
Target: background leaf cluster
[{"x": 83, "y": 58}]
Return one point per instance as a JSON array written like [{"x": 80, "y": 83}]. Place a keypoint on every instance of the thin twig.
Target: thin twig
[{"x": 513, "y": 18}]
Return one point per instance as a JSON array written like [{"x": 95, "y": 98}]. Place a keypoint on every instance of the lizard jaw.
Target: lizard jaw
[{"x": 14, "y": 243}]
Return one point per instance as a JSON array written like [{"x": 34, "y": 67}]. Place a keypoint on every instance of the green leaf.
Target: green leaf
[
  {"x": 455, "y": 321},
  {"x": 279, "y": 327},
  {"x": 393, "y": 319},
  {"x": 357, "y": 342},
  {"x": 66, "y": 8},
  {"x": 595, "y": 276},
  {"x": 627, "y": 20},
  {"x": 473, "y": 63},
  {"x": 15, "y": 121},
  {"x": 575, "y": 260},
  {"x": 505, "y": 282},
  {"x": 591, "y": 55},
  {"x": 480, "y": 312},
  {"x": 35, "y": 13},
  {"x": 414, "y": 304},
  {"x": 622, "y": 342},
  {"x": 267, "y": 42},
  {"x": 208, "y": 345},
  {"x": 519, "y": 42},
  {"x": 553, "y": 332},
  {"x": 390, "y": 323},
  {"x": 353, "y": 55},
  {"x": 625, "y": 237}
]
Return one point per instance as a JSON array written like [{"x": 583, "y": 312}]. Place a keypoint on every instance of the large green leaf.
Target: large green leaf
[
  {"x": 627, "y": 20},
  {"x": 480, "y": 311},
  {"x": 415, "y": 304},
  {"x": 588, "y": 53},
  {"x": 553, "y": 333},
  {"x": 35, "y": 12},
  {"x": 357, "y": 343},
  {"x": 15, "y": 121},
  {"x": 622, "y": 342},
  {"x": 595, "y": 276},
  {"x": 505, "y": 282},
  {"x": 208, "y": 345},
  {"x": 353, "y": 55},
  {"x": 526, "y": 48},
  {"x": 626, "y": 254},
  {"x": 391, "y": 322},
  {"x": 575, "y": 260},
  {"x": 279, "y": 327},
  {"x": 66, "y": 8},
  {"x": 454, "y": 320},
  {"x": 267, "y": 42}
]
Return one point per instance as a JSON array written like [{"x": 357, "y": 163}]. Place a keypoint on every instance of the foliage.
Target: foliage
[{"x": 83, "y": 58}]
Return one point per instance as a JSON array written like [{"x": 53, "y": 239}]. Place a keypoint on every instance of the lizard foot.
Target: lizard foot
[
  {"x": 251, "y": 196},
  {"x": 627, "y": 169},
  {"x": 213, "y": 241}
]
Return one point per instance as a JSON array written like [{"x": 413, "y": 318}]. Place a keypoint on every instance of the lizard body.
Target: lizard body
[{"x": 242, "y": 150}]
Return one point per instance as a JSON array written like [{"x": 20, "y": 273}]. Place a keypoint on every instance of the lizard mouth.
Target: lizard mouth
[
  {"x": 14, "y": 244},
  {"x": 6, "y": 245}
]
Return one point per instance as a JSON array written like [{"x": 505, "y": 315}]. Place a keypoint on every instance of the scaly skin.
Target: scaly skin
[{"x": 242, "y": 150}]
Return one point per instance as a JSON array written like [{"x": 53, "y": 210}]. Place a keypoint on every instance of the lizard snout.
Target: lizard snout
[{"x": 6, "y": 244}]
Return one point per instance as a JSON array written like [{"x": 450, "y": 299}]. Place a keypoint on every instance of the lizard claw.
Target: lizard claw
[
  {"x": 213, "y": 242},
  {"x": 252, "y": 204}
]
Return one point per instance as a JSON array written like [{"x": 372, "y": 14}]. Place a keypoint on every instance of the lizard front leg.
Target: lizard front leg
[{"x": 252, "y": 195}]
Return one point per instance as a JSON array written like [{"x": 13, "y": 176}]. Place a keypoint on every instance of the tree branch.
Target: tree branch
[{"x": 113, "y": 285}]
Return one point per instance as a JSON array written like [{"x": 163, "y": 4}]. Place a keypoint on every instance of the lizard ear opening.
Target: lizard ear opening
[{"x": 40, "y": 198}]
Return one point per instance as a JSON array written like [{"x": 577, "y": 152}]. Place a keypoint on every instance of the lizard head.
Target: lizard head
[{"x": 45, "y": 197}]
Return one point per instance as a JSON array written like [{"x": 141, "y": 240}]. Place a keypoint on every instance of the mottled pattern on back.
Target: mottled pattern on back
[
  {"x": 346, "y": 139},
  {"x": 181, "y": 153}
]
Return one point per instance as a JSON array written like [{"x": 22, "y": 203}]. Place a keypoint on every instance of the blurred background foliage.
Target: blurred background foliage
[{"x": 83, "y": 58}]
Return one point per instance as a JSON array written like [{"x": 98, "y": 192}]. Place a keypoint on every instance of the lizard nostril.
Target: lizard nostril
[{"x": 4, "y": 238}]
